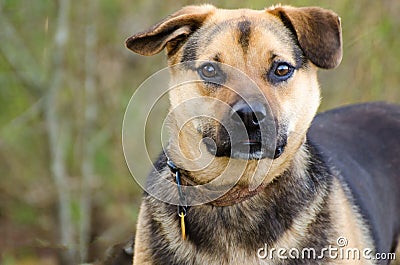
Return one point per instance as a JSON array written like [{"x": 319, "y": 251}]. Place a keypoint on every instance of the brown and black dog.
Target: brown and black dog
[{"x": 327, "y": 181}]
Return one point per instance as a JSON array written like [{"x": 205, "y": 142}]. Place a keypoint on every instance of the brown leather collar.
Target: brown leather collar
[{"x": 236, "y": 194}]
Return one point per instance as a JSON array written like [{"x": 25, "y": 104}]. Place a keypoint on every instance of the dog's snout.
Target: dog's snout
[{"x": 248, "y": 114}]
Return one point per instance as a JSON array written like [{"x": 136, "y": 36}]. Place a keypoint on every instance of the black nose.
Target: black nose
[{"x": 249, "y": 114}]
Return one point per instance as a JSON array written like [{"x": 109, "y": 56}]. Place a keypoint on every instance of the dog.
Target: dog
[{"x": 305, "y": 182}]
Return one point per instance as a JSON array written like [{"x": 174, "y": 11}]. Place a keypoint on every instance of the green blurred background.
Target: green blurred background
[{"x": 66, "y": 194}]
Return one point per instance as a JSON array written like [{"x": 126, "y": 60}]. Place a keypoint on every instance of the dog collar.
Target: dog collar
[
  {"x": 236, "y": 194},
  {"x": 182, "y": 204}
]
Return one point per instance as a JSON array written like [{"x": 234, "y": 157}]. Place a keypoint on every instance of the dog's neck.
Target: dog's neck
[
  {"x": 298, "y": 192},
  {"x": 241, "y": 191}
]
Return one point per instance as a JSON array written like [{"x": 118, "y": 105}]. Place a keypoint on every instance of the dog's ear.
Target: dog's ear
[
  {"x": 170, "y": 32},
  {"x": 318, "y": 32}
]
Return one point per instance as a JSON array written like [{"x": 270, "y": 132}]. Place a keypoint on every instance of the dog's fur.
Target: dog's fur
[{"x": 337, "y": 175}]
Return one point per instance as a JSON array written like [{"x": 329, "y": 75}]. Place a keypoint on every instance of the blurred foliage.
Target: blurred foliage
[{"x": 29, "y": 226}]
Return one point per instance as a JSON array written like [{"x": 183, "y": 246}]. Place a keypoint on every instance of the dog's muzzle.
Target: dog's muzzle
[{"x": 249, "y": 131}]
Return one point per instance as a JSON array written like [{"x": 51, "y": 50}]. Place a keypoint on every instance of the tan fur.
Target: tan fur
[
  {"x": 142, "y": 251},
  {"x": 349, "y": 223},
  {"x": 397, "y": 253},
  {"x": 288, "y": 102}
]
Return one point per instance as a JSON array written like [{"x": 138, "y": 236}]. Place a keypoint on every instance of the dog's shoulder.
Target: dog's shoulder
[{"x": 360, "y": 143}]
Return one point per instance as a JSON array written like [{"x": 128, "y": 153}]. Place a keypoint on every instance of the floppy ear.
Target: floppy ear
[
  {"x": 318, "y": 32},
  {"x": 170, "y": 32}
]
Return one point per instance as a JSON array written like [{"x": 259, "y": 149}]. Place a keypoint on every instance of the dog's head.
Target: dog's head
[{"x": 255, "y": 91}]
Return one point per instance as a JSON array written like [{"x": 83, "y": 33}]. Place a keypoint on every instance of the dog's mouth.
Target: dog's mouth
[
  {"x": 254, "y": 149},
  {"x": 248, "y": 149},
  {"x": 247, "y": 146}
]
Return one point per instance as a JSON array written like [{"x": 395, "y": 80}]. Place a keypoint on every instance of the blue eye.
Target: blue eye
[{"x": 279, "y": 72}]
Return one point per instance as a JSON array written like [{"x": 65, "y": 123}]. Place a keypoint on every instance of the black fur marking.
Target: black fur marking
[
  {"x": 190, "y": 48},
  {"x": 217, "y": 57},
  {"x": 299, "y": 57},
  {"x": 244, "y": 34}
]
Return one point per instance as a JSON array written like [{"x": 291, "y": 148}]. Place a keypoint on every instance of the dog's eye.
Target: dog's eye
[
  {"x": 282, "y": 70},
  {"x": 208, "y": 71},
  {"x": 279, "y": 72},
  {"x": 211, "y": 74}
]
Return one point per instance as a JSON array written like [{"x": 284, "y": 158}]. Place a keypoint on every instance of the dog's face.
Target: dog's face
[{"x": 255, "y": 91}]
